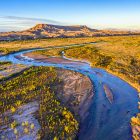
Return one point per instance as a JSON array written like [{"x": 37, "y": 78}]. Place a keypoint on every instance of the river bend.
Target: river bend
[{"x": 106, "y": 120}]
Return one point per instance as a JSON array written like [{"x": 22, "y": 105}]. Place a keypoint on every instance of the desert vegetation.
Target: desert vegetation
[
  {"x": 13, "y": 46},
  {"x": 56, "y": 121},
  {"x": 135, "y": 123}
]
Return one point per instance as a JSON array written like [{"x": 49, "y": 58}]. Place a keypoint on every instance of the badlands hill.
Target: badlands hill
[{"x": 47, "y": 30}]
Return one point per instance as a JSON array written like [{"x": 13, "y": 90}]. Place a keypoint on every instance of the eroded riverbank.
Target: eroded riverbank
[{"x": 76, "y": 91}]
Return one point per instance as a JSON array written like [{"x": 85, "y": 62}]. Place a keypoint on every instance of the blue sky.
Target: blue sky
[{"x": 17, "y": 15}]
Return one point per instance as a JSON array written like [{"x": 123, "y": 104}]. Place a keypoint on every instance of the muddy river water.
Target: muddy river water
[{"x": 114, "y": 103}]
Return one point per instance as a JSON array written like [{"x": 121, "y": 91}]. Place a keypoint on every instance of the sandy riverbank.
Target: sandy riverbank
[{"x": 48, "y": 59}]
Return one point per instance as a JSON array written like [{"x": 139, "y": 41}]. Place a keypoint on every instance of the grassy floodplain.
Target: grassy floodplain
[{"x": 20, "y": 45}]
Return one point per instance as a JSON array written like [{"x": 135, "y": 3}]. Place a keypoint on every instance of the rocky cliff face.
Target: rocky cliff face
[{"x": 48, "y": 30}]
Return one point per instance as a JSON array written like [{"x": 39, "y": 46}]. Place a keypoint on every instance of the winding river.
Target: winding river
[{"x": 106, "y": 120}]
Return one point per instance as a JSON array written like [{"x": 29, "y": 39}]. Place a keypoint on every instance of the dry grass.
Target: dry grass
[{"x": 9, "y": 47}]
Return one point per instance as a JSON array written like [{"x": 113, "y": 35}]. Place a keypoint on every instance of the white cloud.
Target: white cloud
[
  {"x": 10, "y": 23},
  {"x": 25, "y": 19}
]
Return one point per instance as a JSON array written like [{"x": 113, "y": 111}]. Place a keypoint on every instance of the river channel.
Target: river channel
[{"x": 106, "y": 120}]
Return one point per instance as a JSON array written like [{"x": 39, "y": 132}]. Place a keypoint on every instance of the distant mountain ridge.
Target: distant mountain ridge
[{"x": 47, "y": 31}]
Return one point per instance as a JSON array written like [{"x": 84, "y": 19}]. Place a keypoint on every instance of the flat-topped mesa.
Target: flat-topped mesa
[
  {"x": 58, "y": 27},
  {"x": 39, "y": 26}
]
